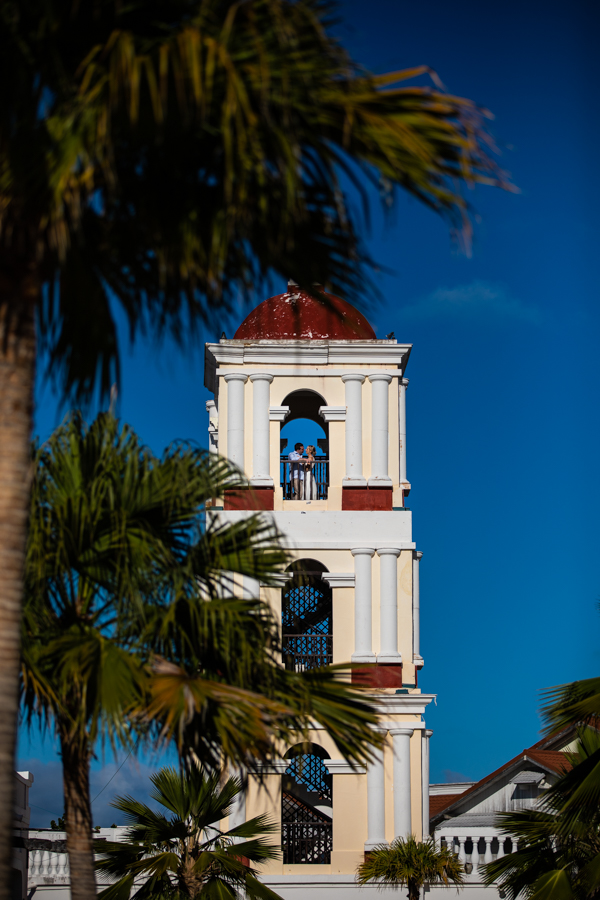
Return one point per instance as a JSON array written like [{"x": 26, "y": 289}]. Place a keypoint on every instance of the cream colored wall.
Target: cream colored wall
[
  {"x": 332, "y": 389},
  {"x": 343, "y": 605},
  {"x": 349, "y": 805}
]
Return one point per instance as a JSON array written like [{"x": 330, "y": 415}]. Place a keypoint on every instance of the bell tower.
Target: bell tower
[{"x": 312, "y": 407}]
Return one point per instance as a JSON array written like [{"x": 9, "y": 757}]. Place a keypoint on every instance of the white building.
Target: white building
[{"x": 463, "y": 816}]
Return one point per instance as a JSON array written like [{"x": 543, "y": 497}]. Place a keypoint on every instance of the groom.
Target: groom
[{"x": 297, "y": 471}]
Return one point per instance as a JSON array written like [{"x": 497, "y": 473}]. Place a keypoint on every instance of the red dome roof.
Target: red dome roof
[{"x": 296, "y": 315}]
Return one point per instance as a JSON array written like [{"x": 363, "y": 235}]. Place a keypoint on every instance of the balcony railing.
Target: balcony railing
[
  {"x": 314, "y": 484},
  {"x": 475, "y": 847},
  {"x": 307, "y": 651},
  {"x": 306, "y": 842}
]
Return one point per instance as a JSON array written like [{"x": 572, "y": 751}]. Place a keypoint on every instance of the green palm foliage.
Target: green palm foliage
[
  {"x": 133, "y": 625},
  {"x": 186, "y": 854},
  {"x": 164, "y": 157},
  {"x": 410, "y": 863},
  {"x": 558, "y": 853}
]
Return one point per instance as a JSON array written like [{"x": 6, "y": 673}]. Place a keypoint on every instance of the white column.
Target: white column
[
  {"x": 261, "y": 384},
  {"x": 417, "y": 658},
  {"x": 375, "y": 801},
  {"x": 237, "y": 816},
  {"x": 402, "y": 417},
  {"x": 363, "y": 628},
  {"x": 379, "y": 428},
  {"x": 213, "y": 426},
  {"x": 475, "y": 853},
  {"x": 250, "y": 588},
  {"x": 354, "y": 461},
  {"x": 425, "y": 779},
  {"x": 462, "y": 856},
  {"x": 388, "y": 617},
  {"x": 235, "y": 417},
  {"x": 402, "y": 816}
]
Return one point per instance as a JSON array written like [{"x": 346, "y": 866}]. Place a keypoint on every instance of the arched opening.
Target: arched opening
[
  {"x": 307, "y": 806},
  {"x": 307, "y": 617},
  {"x": 304, "y": 477}
]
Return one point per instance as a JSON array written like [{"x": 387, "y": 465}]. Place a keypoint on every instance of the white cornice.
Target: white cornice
[
  {"x": 278, "y": 413},
  {"x": 339, "y": 579},
  {"x": 310, "y": 352},
  {"x": 333, "y": 413},
  {"x": 341, "y": 767},
  {"x": 402, "y": 704}
]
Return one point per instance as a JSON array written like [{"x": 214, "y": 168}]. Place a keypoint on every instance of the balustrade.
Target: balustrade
[
  {"x": 314, "y": 484},
  {"x": 475, "y": 850},
  {"x": 302, "y": 652}
]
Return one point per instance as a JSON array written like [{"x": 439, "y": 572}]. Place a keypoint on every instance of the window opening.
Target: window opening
[
  {"x": 307, "y": 618},
  {"x": 304, "y": 474},
  {"x": 306, "y": 811}
]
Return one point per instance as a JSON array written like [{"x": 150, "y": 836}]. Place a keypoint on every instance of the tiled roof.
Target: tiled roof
[
  {"x": 547, "y": 759},
  {"x": 440, "y": 801}
]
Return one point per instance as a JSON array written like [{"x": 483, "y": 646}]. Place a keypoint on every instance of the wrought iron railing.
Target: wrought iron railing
[
  {"x": 313, "y": 486},
  {"x": 306, "y": 842},
  {"x": 307, "y": 651}
]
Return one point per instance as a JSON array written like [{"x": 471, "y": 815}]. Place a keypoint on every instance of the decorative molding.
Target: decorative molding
[
  {"x": 278, "y": 413},
  {"x": 310, "y": 352},
  {"x": 389, "y": 659},
  {"x": 280, "y": 579},
  {"x": 341, "y": 767},
  {"x": 236, "y": 376},
  {"x": 261, "y": 376},
  {"x": 385, "y": 482},
  {"x": 354, "y": 482},
  {"x": 333, "y": 413},
  {"x": 353, "y": 376},
  {"x": 403, "y": 704},
  {"x": 368, "y": 658},
  {"x": 275, "y": 767},
  {"x": 261, "y": 481},
  {"x": 380, "y": 376},
  {"x": 418, "y": 661},
  {"x": 339, "y": 579}
]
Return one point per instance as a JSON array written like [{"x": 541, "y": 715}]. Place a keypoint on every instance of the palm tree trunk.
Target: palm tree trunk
[
  {"x": 17, "y": 374},
  {"x": 78, "y": 814},
  {"x": 413, "y": 890}
]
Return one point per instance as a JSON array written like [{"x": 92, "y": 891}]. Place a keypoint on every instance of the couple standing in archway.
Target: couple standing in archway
[{"x": 302, "y": 472}]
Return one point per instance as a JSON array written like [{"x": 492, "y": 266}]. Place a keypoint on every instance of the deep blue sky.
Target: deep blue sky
[{"x": 503, "y": 429}]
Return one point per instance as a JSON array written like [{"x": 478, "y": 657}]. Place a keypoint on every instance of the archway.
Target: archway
[
  {"x": 307, "y": 617},
  {"x": 304, "y": 425},
  {"x": 307, "y": 807}
]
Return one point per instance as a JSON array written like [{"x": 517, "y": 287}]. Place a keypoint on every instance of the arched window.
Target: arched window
[
  {"x": 307, "y": 807},
  {"x": 309, "y": 478},
  {"x": 307, "y": 621}
]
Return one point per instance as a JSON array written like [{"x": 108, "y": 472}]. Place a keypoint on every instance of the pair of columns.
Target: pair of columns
[
  {"x": 401, "y": 788},
  {"x": 380, "y": 383},
  {"x": 388, "y": 603},
  {"x": 261, "y": 387},
  {"x": 379, "y": 429},
  {"x": 363, "y": 606}
]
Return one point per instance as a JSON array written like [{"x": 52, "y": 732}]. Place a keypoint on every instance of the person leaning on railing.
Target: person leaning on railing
[{"x": 297, "y": 471}]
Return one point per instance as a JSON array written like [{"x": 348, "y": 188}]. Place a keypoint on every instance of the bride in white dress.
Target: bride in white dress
[{"x": 310, "y": 486}]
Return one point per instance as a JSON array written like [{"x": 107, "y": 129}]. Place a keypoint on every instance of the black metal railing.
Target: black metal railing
[
  {"x": 306, "y": 842},
  {"x": 307, "y": 651},
  {"x": 313, "y": 486}
]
